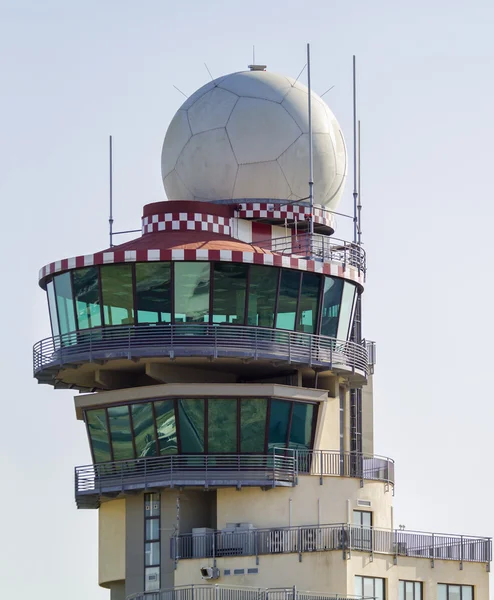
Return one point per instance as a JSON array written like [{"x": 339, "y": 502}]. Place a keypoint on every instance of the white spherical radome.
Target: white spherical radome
[{"x": 245, "y": 135}]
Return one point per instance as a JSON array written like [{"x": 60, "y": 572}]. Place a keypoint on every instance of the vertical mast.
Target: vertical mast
[
  {"x": 110, "y": 220},
  {"x": 311, "y": 166},
  {"x": 355, "y": 190}
]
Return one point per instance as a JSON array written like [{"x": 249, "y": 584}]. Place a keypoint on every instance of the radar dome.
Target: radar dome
[{"x": 245, "y": 135}]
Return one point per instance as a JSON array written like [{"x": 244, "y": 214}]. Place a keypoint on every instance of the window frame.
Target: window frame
[
  {"x": 461, "y": 586},
  {"x": 405, "y": 581}
]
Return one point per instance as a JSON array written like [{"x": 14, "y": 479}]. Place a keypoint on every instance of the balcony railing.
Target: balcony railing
[
  {"x": 324, "y": 538},
  {"x": 223, "y": 592},
  {"x": 197, "y": 340},
  {"x": 281, "y": 468}
]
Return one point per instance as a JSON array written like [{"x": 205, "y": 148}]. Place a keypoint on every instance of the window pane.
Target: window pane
[
  {"x": 118, "y": 297},
  {"x": 301, "y": 429},
  {"x": 252, "y": 424},
  {"x": 346, "y": 311},
  {"x": 152, "y": 553},
  {"x": 86, "y": 294},
  {"x": 167, "y": 429},
  {"x": 98, "y": 432},
  {"x": 222, "y": 425},
  {"x": 65, "y": 303},
  {"x": 366, "y": 518},
  {"x": 309, "y": 302},
  {"x": 278, "y": 424},
  {"x": 379, "y": 589},
  {"x": 144, "y": 434},
  {"x": 50, "y": 290},
  {"x": 369, "y": 590},
  {"x": 230, "y": 281},
  {"x": 442, "y": 591},
  {"x": 418, "y": 591},
  {"x": 466, "y": 592},
  {"x": 153, "y": 292},
  {"x": 262, "y": 295},
  {"x": 331, "y": 306},
  {"x": 409, "y": 590},
  {"x": 152, "y": 529},
  {"x": 401, "y": 595},
  {"x": 454, "y": 592},
  {"x": 287, "y": 299},
  {"x": 121, "y": 437},
  {"x": 359, "y": 585},
  {"x": 192, "y": 292},
  {"x": 151, "y": 505},
  {"x": 191, "y": 418}
]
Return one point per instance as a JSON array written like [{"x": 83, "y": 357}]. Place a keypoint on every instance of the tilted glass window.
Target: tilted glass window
[
  {"x": 98, "y": 433},
  {"x": 153, "y": 292},
  {"x": 279, "y": 420},
  {"x": 118, "y": 297},
  {"x": 331, "y": 302},
  {"x": 288, "y": 299},
  {"x": 301, "y": 427},
  {"x": 222, "y": 425},
  {"x": 143, "y": 428},
  {"x": 346, "y": 312},
  {"x": 166, "y": 426},
  {"x": 52, "y": 305},
  {"x": 308, "y": 310},
  {"x": 121, "y": 436},
  {"x": 252, "y": 424},
  {"x": 87, "y": 299},
  {"x": 191, "y": 292},
  {"x": 191, "y": 422},
  {"x": 262, "y": 295},
  {"x": 65, "y": 304},
  {"x": 229, "y": 289}
]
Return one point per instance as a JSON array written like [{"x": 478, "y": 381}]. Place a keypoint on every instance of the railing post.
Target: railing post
[
  {"x": 461, "y": 553},
  {"x": 433, "y": 551},
  {"x": 256, "y": 545}
]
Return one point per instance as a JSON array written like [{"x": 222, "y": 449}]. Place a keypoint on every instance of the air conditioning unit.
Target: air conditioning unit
[
  {"x": 277, "y": 541},
  {"x": 210, "y": 573}
]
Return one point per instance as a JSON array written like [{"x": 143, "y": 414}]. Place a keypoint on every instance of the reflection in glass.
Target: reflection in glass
[
  {"x": 50, "y": 289},
  {"x": 191, "y": 292},
  {"x": 288, "y": 299},
  {"x": 346, "y": 311},
  {"x": 252, "y": 424},
  {"x": 144, "y": 432},
  {"x": 167, "y": 429},
  {"x": 222, "y": 425},
  {"x": 86, "y": 294},
  {"x": 191, "y": 419},
  {"x": 98, "y": 433},
  {"x": 331, "y": 301},
  {"x": 153, "y": 292},
  {"x": 301, "y": 427},
  {"x": 121, "y": 436},
  {"x": 230, "y": 281},
  {"x": 309, "y": 302},
  {"x": 262, "y": 295},
  {"x": 118, "y": 298},
  {"x": 65, "y": 303},
  {"x": 278, "y": 424}
]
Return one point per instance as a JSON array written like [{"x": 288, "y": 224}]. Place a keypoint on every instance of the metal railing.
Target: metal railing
[
  {"x": 223, "y": 592},
  {"x": 190, "y": 339},
  {"x": 319, "y": 247},
  {"x": 323, "y": 538}
]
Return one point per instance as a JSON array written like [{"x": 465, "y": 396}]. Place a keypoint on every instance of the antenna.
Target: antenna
[
  {"x": 355, "y": 166},
  {"x": 181, "y": 90},
  {"x": 110, "y": 220},
  {"x": 207, "y": 69},
  {"x": 311, "y": 166},
  {"x": 359, "y": 205}
]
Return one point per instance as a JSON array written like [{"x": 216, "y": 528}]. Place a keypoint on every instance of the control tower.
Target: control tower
[{"x": 224, "y": 381}]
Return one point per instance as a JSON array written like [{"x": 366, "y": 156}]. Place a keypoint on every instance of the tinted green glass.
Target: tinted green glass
[
  {"x": 86, "y": 294},
  {"x": 50, "y": 290},
  {"x": 65, "y": 303},
  {"x": 301, "y": 428},
  {"x": 144, "y": 433},
  {"x": 288, "y": 299},
  {"x": 278, "y": 424},
  {"x": 167, "y": 428},
  {"x": 153, "y": 292},
  {"x": 222, "y": 425},
  {"x": 262, "y": 295},
  {"x": 191, "y": 292},
  {"x": 309, "y": 302},
  {"x": 121, "y": 436},
  {"x": 346, "y": 311},
  {"x": 331, "y": 301},
  {"x": 118, "y": 297},
  {"x": 191, "y": 419},
  {"x": 230, "y": 281},
  {"x": 98, "y": 433},
  {"x": 252, "y": 424}
]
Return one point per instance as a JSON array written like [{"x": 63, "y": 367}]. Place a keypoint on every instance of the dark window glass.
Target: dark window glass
[
  {"x": 222, "y": 425},
  {"x": 278, "y": 424},
  {"x": 262, "y": 295},
  {"x": 301, "y": 428},
  {"x": 287, "y": 299},
  {"x": 118, "y": 297},
  {"x": 65, "y": 304},
  {"x": 191, "y": 419},
  {"x": 144, "y": 433},
  {"x": 309, "y": 302},
  {"x": 167, "y": 428},
  {"x": 121, "y": 436},
  {"x": 346, "y": 311},
  {"x": 153, "y": 292},
  {"x": 252, "y": 424},
  {"x": 191, "y": 292},
  {"x": 331, "y": 306},
  {"x": 98, "y": 432},
  {"x": 50, "y": 290},
  {"x": 230, "y": 281},
  {"x": 86, "y": 294}
]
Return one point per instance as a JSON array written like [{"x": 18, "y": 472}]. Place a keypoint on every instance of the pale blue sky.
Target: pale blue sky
[{"x": 71, "y": 73}]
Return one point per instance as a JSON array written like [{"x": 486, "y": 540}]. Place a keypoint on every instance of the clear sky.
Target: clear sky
[{"x": 74, "y": 72}]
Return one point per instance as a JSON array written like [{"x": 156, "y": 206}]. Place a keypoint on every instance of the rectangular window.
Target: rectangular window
[
  {"x": 65, "y": 306},
  {"x": 191, "y": 420},
  {"x": 447, "y": 591},
  {"x": 120, "y": 433},
  {"x": 52, "y": 305},
  {"x": 152, "y": 542},
  {"x": 166, "y": 426},
  {"x": 362, "y": 530},
  {"x": 309, "y": 302},
  {"x": 153, "y": 292},
  {"x": 117, "y": 293},
  {"x": 252, "y": 424},
  {"x": 144, "y": 429},
  {"x": 262, "y": 295},
  {"x": 222, "y": 425},
  {"x": 331, "y": 301},
  {"x": 410, "y": 590},
  {"x": 288, "y": 299},
  {"x": 301, "y": 427},
  {"x": 87, "y": 299},
  {"x": 346, "y": 311},
  {"x": 229, "y": 289},
  {"x": 192, "y": 292},
  {"x": 369, "y": 587},
  {"x": 98, "y": 434}
]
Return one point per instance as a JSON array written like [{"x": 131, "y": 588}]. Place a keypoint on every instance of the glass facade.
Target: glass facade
[
  {"x": 218, "y": 293},
  {"x": 199, "y": 425}
]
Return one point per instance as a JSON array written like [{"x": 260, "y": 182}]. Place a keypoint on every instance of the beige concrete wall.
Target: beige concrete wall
[
  {"x": 368, "y": 417},
  {"x": 328, "y": 425},
  {"x": 111, "y": 531}
]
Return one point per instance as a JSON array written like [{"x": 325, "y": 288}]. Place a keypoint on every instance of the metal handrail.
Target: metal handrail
[
  {"x": 335, "y": 536},
  {"x": 195, "y": 339}
]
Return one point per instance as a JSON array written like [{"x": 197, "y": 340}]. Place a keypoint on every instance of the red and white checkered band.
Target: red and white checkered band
[
  {"x": 185, "y": 221},
  {"x": 291, "y": 212},
  {"x": 257, "y": 258}
]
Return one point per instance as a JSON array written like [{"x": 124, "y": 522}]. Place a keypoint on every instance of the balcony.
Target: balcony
[
  {"x": 326, "y": 538},
  {"x": 281, "y": 468}
]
